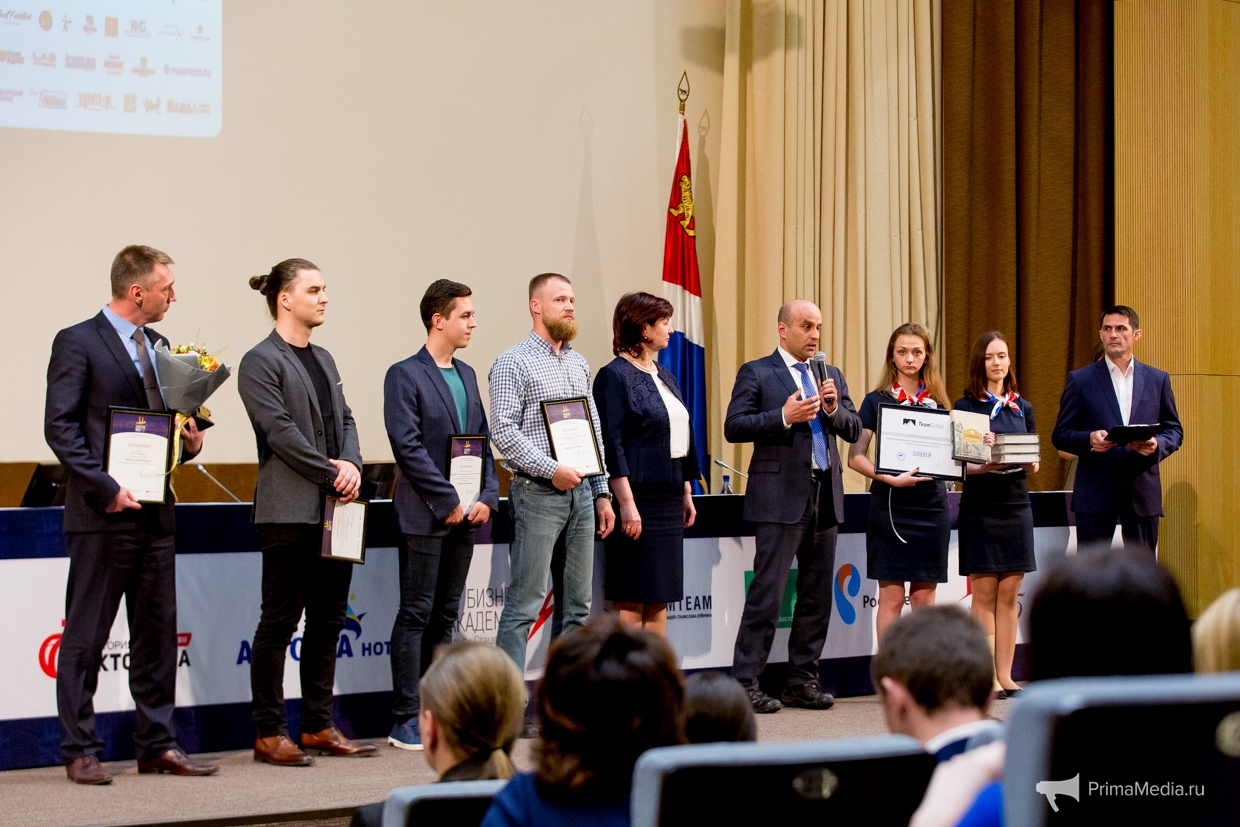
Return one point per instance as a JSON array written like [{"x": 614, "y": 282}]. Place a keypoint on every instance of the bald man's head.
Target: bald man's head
[{"x": 800, "y": 325}]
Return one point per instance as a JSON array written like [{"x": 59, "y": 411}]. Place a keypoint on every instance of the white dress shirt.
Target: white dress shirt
[
  {"x": 1122, "y": 382},
  {"x": 677, "y": 413}
]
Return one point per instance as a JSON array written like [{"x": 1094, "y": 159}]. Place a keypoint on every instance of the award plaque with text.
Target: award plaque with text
[
  {"x": 138, "y": 452},
  {"x": 911, "y": 437},
  {"x": 344, "y": 530},
  {"x": 572, "y": 437},
  {"x": 466, "y": 468}
]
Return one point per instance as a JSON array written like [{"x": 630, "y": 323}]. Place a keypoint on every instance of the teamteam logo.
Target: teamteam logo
[
  {"x": 847, "y": 580},
  {"x": 115, "y": 654}
]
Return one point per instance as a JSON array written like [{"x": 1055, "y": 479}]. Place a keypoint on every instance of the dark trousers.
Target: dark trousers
[
  {"x": 812, "y": 542},
  {"x": 141, "y": 565},
  {"x": 1138, "y": 532},
  {"x": 432, "y": 575},
  {"x": 296, "y": 577}
]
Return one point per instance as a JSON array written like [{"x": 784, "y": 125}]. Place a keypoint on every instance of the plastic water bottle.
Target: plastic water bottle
[{"x": 726, "y": 488}]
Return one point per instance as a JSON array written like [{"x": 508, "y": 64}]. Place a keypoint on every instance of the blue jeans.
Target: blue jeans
[
  {"x": 432, "y": 575},
  {"x": 552, "y": 531}
]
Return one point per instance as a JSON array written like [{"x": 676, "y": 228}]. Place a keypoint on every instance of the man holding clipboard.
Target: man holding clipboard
[
  {"x": 446, "y": 488},
  {"x": 120, "y": 542},
  {"x": 1118, "y": 416}
]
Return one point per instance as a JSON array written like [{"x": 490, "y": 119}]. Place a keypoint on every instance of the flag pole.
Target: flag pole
[{"x": 682, "y": 90}]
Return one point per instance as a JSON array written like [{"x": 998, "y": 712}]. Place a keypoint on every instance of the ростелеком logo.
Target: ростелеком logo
[{"x": 847, "y": 577}]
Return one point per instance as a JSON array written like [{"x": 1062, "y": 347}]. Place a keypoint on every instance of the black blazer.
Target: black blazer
[
  {"x": 637, "y": 433},
  {"x": 780, "y": 475},
  {"x": 420, "y": 415},
  {"x": 1106, "y": 480},
  {"x": 89, "y": 371}
]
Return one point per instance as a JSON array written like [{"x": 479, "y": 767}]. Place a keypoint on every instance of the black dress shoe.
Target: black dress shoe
[
  {"x": 807, "y": 696},
  {"x": 763, "y": 703},
  {"x": 529, "y": 729},
  {"x": 1005, "y": 694}
]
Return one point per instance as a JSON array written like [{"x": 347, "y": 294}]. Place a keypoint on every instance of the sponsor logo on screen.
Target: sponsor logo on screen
[
  {"x": 188, "y": 107},
  {"x": 345, "y": 648},
  {"x": 847, "y": 584},
  {"x": 89, "y": 25},
  {"x": 186, "y": 71},
  {"x": 99, "y": 102},
  {"x": 787, "y": 606},
  {"x": 52, "y": 100},
  {"x": 46, "y": 21},
  {"x": 111, "y": 27},
  {"x": 14, "y": 18},
  {"x": 47, "y": 59},
  {"x": 9, "y": 95},
  {"x": 79, "y": 62},
  {"x": 8, "y": 56},
  {"x": 115, "y": 653},
  {"x": 114, "y": 65},
  {"x": 142, "y": 70}
]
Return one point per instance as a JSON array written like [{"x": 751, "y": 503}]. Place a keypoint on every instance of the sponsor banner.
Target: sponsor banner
[
  {"x": 139, "y": 67},
  {"x": 218, "y": 599}
]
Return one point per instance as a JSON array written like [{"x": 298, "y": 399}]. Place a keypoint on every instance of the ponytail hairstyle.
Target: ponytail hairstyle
[
  {"x": 280, "y": 279},
  {"x": 929, "y": 368},
  {"x": 478, "y": 698}
]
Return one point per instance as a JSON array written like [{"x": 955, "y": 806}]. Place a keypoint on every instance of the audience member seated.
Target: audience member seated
[
  {"x": 933, "y": 675},
  {"x": 1216, "y": 635},
  {"x": 609, "y": 693},
  {"x": 717, "y": 709},
  {"x": 1100, "y": 612},
  {"x": 473, "y": 702}
]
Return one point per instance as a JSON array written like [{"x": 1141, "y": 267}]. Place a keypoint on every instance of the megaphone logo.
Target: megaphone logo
[{"x": 1050, "y": 789}]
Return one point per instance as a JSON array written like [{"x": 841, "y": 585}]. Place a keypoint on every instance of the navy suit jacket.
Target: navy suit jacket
[
  {"x": 90, "y": 370},
  {"x": 1107, "y": 480},
  {"x": 420, "y": 415},
  {"x": 780, "y": 469},
  {"x": 637, "y": 433}
]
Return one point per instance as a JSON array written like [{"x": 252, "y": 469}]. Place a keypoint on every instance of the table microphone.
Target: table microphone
[{"x": 820, "y": 368}]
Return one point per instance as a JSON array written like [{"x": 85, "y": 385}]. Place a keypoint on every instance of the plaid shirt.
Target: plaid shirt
[{"x": 527, "y": 374}]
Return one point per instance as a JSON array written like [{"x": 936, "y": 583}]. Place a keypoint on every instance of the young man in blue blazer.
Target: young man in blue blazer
[
  {"x": 427, "y": 399},
  {"x": 1117, "y": 483},
  {"x": 795, "y": 494}
]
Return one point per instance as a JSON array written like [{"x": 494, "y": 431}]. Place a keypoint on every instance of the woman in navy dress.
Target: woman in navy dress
[
  {"x": 996, "y": 519},
  {"x": 908, "y": 527},
  {"x": 650, "y": 456}
]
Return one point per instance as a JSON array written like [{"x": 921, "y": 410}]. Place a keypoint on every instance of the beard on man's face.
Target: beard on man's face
[{"x": 562, "y": 330}]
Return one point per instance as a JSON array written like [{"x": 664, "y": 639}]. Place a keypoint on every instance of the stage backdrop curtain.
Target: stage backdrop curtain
[
  {"x": 829, "y": 186},
  {"x": 1027, "y": 224}
]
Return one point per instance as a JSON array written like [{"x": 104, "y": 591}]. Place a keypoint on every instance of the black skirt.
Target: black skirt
[
  {"x": 919, "y": 516},
  {"x": 996, "y": 525},
  {"x": 650, "y": 569}
]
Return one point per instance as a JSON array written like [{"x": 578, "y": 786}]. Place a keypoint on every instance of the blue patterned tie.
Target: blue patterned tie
[{"x": 815, "y": 425}]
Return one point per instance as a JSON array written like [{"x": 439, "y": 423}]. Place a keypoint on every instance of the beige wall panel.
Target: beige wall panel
[{"x": 1177, "y": 115}]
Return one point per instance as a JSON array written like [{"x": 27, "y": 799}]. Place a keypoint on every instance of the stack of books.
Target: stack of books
[{"x": 1016, "y": 449}]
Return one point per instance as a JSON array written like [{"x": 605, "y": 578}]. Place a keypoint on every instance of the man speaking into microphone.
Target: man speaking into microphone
[{"x": 791, "y": 406}]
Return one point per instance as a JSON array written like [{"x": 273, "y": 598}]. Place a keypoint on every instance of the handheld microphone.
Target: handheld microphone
[
  {"x": 218, "y": 484},
  {"x": 820, "y": 368},
  {"x": 723, "y": 464}
]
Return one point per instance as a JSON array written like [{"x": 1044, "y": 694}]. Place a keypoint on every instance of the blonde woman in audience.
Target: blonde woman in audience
[
  {"x": 473, "y": 704},
  {"x": 1216, "y": 635}
]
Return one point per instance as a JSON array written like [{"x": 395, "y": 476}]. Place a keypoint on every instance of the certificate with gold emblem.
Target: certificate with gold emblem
[
  {"x": 969, "y": 431},
  {"x": 571, "y": 433},
  {"x": 344, "y": 530},
  {"x": 138, "y": 452},
  {"x": 466, "y": 470}
]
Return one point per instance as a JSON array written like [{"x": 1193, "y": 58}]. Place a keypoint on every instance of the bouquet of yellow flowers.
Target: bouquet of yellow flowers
[{"x": 188, "y": 375}]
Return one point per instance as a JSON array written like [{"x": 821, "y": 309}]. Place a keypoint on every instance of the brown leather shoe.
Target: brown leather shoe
[
  {"x": 86, "y": 770},
  {"x": 332, "y": 742},
  {"x": 280, "y": 751},
  {"x": 177, "y": 763}
]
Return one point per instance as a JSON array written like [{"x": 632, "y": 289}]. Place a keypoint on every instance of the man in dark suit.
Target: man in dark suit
[
  {"x": 795, "y": 494},
  {"x": 117, "y": 546},
  {"x": 1117, "y": 482},
  {"x": 427, "y": 399},
  {"x": 307, "y": 449}
]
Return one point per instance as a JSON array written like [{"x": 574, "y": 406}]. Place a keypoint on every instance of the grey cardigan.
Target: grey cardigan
[{"x": 293, "y": 469}]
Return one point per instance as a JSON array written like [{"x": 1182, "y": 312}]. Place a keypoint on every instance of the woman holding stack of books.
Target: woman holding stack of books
[{"x": 996, "y": 519}]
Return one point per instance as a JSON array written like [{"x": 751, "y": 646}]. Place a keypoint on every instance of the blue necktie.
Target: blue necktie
[{"x": 815, "y": 425}]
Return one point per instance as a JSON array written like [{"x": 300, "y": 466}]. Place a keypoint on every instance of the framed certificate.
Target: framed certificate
[
  {"x": 911, "y": 437},
  {"x": 572, "y": 437},
  {"x": 466, "y": 467},
  {"x": 138, "y": 452},
  {"x": 344, "y": 530}
]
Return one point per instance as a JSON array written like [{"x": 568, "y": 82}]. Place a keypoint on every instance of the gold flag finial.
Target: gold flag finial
[{"x": 682, "y": 90}]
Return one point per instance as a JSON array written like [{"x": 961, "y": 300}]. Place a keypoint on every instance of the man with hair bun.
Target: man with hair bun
[
  {"x": 117, "y": 545},
  {"x": 307, "y": 450},
  {"x": 427, "y": 400}
]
